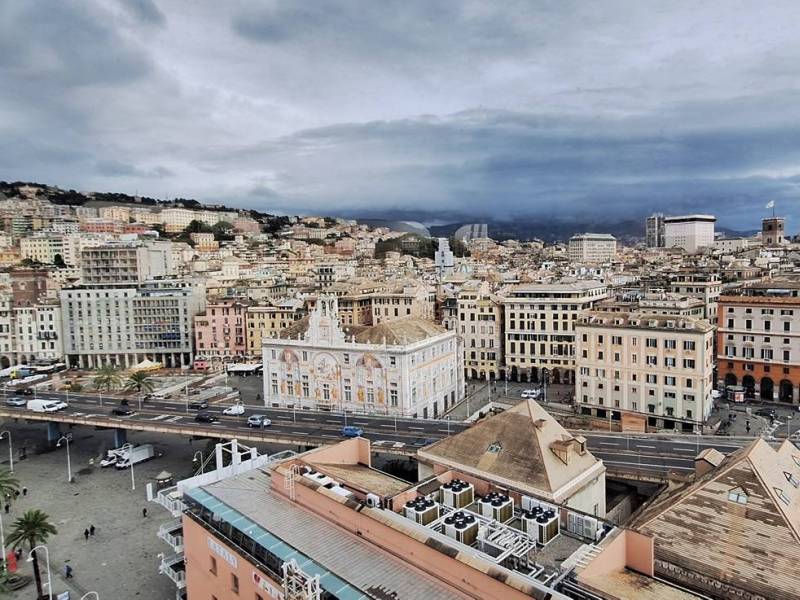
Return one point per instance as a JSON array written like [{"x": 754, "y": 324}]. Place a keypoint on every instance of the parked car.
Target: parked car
[
  {"x": 236, "y": 409},
  {"x": 121, "y": 411},
  {"x": 351, "y": 431},
  {"x": 531, "y": 394},
  {"x": 24, "y": 392},
  {"x": 16, "y": 402},
  {"x": 198, "y": 405},
  {"x": 258, "y": 421},
  {"x": 205, "y": 417}
]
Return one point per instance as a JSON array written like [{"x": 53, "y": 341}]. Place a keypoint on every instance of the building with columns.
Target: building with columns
[
  {"x": 404, "y": 367},
  {"x": 539, "y": 327},
  {"x": 758, "y": 343},
  {"x": 126, "y": 324}
]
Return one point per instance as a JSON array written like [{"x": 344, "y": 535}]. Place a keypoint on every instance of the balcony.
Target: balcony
[
  {"x": 174, "y": 567},
  {"x": 172, "y": 534},
  {"x": 172, "y": 500}
]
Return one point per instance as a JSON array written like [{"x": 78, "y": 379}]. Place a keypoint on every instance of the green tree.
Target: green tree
[
  {"x": 58, "y": 261},
  {"x": 196, "y": 226},
  {"x": 107, "y": 377},
  {"x": 139, "y": 382},
  {"x": 222, "y": 231},
  {"x": 9, "y": 484},
  {"x": 34, "y": 528}
]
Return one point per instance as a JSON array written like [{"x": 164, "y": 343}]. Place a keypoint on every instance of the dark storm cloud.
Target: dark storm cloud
[
  {"x": 461, "y": 109},
  {"x": 114, "y": 168}
]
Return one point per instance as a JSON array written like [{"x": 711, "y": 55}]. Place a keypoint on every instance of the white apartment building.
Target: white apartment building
[
  {"x": 41, "y": 248},
  {"x": 406, "y": 367},
  {"x": 127, "y": 324},
  {"x": 122, "y": 263},
  {"x": 657, "y": 366},
  {"x": 539, "y": 321},
  {"x": 38, "y": 333},
  {"x": 176, "y": 220},
  {"x": 29, "y": 333},
  {"x": 690, "y": 232},
  {"x": 592, "y": 247}
]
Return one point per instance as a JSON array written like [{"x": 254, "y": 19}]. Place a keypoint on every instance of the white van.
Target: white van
[{"x": 45, "y": 406}]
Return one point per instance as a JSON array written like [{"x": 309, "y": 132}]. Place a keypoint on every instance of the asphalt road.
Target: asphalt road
[
  {"x": 634, "y": 451},
  {"x": 381, "y": 430},
  {"x": 654, "y": 453}
]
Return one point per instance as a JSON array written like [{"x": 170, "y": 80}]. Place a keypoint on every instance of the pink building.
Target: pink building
[
  {"x": 219, "y": 333},
  {"x": 326, "y": 524},
  {"x": 246, "y": 226}
]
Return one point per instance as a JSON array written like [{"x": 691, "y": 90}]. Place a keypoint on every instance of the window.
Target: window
[
  {"x": 669, "y": 344},
  {"x": 669, "y": 381},
  {"x": 234, "y": 583},
  {"x": 348, "y": 391},
  {"x": 687, "y": 345},
  {"x": 782, "y": 496},
  {"x": 212, "y": 566},
  {"x": 787, "y": 326},
  {"x": 766, "y": 353},
  {"x": 688, "y": 363},
  {"x": 652, "y": 343},
  {"x": 738, "y": 496}
]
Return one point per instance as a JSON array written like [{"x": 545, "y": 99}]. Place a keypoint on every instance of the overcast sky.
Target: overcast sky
[{"x": 609, "y": 109}]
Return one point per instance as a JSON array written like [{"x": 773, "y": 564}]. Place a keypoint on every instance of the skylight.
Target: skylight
[{"x": 738, "y": 496}]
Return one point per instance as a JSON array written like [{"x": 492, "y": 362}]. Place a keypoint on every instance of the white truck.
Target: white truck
[
  {"x": 46, "y": 405},
  {"x": 134, "y": 456}
]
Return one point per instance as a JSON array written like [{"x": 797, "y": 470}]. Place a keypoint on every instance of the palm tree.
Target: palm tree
[
  {"x": 140, "y": 382},
  {"x": 33, "y": 527},
  {"x": 8, "y": 484},
  {"x": 107, "y": 377}
]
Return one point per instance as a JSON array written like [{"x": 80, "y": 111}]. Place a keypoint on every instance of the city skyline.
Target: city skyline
[{"x": 351, "y": 110}]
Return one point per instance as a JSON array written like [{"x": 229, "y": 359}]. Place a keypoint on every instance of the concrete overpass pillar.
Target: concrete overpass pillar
[
  {"x": 53, "y": 432},
  {"x": 120, "y": 437}
]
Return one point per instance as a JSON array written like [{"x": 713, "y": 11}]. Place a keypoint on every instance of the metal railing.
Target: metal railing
[
  {"x": 172, "y": 534},
  {"x": 174, "y": 568}
]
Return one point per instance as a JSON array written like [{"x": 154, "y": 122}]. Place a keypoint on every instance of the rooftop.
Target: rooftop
[
  {"x": 394, "y": 333},
  {"x": 523, "y": 446},
  {"x": 739, "y": 523},
  {"x": 349, "y": 567}
]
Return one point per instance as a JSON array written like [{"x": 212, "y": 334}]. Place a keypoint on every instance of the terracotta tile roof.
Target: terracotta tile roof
[
  {"x": 524, "y": 446},
  {"x": 752, "y": 544}
]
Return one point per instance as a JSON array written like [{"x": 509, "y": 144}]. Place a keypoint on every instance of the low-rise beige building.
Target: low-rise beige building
[
  {"x": 269, "y": 320},
  {"x": 660, "y": 366}
]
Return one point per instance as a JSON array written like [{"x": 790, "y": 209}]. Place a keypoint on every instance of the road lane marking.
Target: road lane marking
[{"x": 648, "y": 447}]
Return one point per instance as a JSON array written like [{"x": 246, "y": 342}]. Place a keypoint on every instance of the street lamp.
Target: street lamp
[
  {"x": 129, "y": 448},
  {"x": 10, "y": 450},
  {"x": 69, "y": 465},
  {"x": 202, "y": 462},
  {"x": 3, "y": 542},
  {"x": 47, "y": 562}
]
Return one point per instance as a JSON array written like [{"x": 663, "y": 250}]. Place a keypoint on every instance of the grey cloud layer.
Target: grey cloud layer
[{"x": 456, "y": 108}]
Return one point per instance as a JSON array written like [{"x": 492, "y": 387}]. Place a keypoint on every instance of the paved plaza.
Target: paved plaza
[{"x": 121, "y": 561}]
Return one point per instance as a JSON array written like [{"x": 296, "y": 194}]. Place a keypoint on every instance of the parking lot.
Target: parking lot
[{"x": 121, "y": 560}]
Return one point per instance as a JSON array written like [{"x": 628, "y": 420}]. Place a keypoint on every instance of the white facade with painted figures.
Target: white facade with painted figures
[{"x": 404, "y": 367}]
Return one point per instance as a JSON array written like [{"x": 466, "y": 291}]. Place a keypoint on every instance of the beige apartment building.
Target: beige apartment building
[
  {"x": 41, "y": 248},
  {"x": 480, "y": 324},
  {"x": 268, "y": 320},
  {"x": 539, "y": 322},
  {"x": 704, "y": 285},
  {"x": 658, "y": 366},
  {"x": 367, "y": 302},
  {"x": 592, "y": 247}
]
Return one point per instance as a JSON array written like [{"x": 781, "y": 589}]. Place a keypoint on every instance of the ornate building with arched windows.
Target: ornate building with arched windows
[{"x": 409, "y": 367}]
